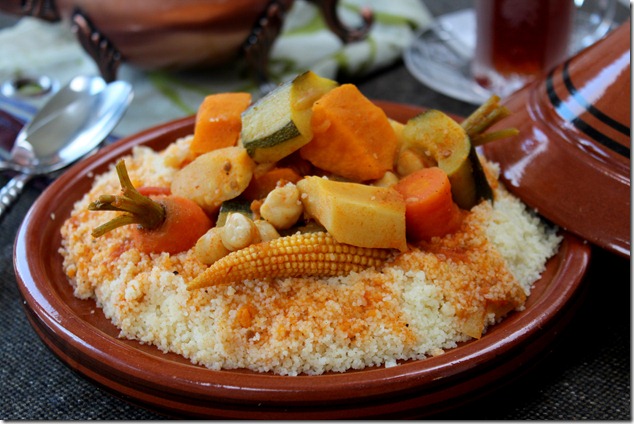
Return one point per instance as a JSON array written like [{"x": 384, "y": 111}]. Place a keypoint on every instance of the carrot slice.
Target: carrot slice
[
  {"x": 218, "y": 121},
  {"x": 429, "y": 208}
]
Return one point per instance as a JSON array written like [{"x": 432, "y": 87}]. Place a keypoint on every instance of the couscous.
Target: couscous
[
  {"x": 421, "y": 303},
  {"x": 323, "y": 236}
]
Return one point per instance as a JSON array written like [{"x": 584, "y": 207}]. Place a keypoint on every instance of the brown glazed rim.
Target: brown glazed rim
[{"x": 77, "y": 332}]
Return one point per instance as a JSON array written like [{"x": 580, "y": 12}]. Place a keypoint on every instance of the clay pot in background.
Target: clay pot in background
[
  {"x": 170, "y": 34},
  {"x": 178, "y": 34}
]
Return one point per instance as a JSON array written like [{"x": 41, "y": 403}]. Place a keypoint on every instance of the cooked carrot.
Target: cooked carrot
[
  {"x": 185, "y": 222},
  {"x": 154, "y": 191},
  {"x": 166, "y": 223},
  {"x": 218, "y": 121},
  {"x": 352, "y": 137},
  {"x": 261, "y": 185},
  {"x": 429, "y": 209}
]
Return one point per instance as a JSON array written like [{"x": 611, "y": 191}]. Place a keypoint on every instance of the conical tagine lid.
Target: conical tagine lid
[{"x": 571, "y": 160}]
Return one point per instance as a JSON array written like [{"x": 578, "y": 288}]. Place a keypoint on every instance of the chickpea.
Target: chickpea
[
  {"x": 410, "y": 161},
  {"x": 282, "y": 206},
  {"x": 387, "y": 180},
  {"x": 209, "y": 247},
  {"x": 238, "y": 232},
  {"x": 266, "y": 230}
]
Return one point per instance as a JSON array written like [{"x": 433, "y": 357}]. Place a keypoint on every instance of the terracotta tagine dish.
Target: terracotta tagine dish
[
  {"x": 571, "y": 160},
  {"x": 178, "y": 34},
  {"x": 81, "y": 336}
]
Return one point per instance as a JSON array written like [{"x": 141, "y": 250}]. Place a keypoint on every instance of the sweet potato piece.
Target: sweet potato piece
[
  {"x": 263, "y": 184},
  {"x": 218, "y": 121},
  {"x": 352, "y": 137}
]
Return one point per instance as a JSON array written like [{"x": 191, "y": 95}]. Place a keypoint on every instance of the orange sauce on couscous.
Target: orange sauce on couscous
[{"x": 418, "y": 304}]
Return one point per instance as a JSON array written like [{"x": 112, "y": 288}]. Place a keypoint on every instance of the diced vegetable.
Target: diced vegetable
[
  {"x": 480, "y": 180},
  {"x": 352, "y": 137},
  {"x": 218, "y": 121},
  {"x": 429, "y": 208},
  {"x": 214, "y": 177},
  {"x": 411, "y": 160},
  {"x": 184, "y": 224},
  {"x": 398, "y": 128},
  {"x": 262, "y": 184},
  {"x": 268, "y": 131},
  {"x": 356, "y": 214},
  {"x": 169, "y": 224},
  {"x": 278, "y": 124},
  {"x": 435, "y": 134}
]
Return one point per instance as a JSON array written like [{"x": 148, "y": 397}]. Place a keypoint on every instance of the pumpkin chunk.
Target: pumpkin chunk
[
  {"x": 352, "y": 137},
  {"x": 218, "y": 121}
]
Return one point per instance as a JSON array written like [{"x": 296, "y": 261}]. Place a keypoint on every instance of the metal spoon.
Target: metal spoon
[
  {"x": 79, "y": 86},
  {"x": 71, "y": 125}
]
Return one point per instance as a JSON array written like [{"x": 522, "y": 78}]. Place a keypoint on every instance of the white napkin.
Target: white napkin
[{"x": 34, "y": 47}]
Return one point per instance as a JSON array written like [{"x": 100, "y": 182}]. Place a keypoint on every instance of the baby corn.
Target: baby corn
[{"x": 300, "y": 255}]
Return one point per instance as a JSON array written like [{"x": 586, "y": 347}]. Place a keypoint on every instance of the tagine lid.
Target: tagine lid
[{"x": 571, "y": 160}]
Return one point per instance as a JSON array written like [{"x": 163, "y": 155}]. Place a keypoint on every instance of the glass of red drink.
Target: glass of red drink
[{"x": 519, "y": 39}]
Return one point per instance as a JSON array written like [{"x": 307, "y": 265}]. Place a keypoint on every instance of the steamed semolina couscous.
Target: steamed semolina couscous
[{"x": 420, "y": 303}]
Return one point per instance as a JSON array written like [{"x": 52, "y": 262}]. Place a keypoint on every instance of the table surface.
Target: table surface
[{"x": 585, "y": 374}]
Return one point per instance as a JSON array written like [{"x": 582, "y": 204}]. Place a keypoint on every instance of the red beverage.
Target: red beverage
[{"x": 517, "y": 40}]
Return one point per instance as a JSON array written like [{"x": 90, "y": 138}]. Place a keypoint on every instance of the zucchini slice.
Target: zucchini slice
[
  {"x": 436, "y": 134},
  {"x": 279, "y": 123},
  {"x": 306, "y": 89}
]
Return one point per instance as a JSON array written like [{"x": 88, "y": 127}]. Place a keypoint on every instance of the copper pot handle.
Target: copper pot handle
[
  {"x": 345, "y": 34},
  {"x": 258, "y": 45},
  {"x": 103, "y": 52}
]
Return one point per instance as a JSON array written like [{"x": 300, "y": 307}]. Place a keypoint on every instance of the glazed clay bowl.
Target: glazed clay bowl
[
  {"x": 164, "y": 33},
  {"x": 177, "y": 34},
  {"x": 571, "y": 160},
  {"x": 171, "y": 34},
  {"x": 79, "y": 334}
]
